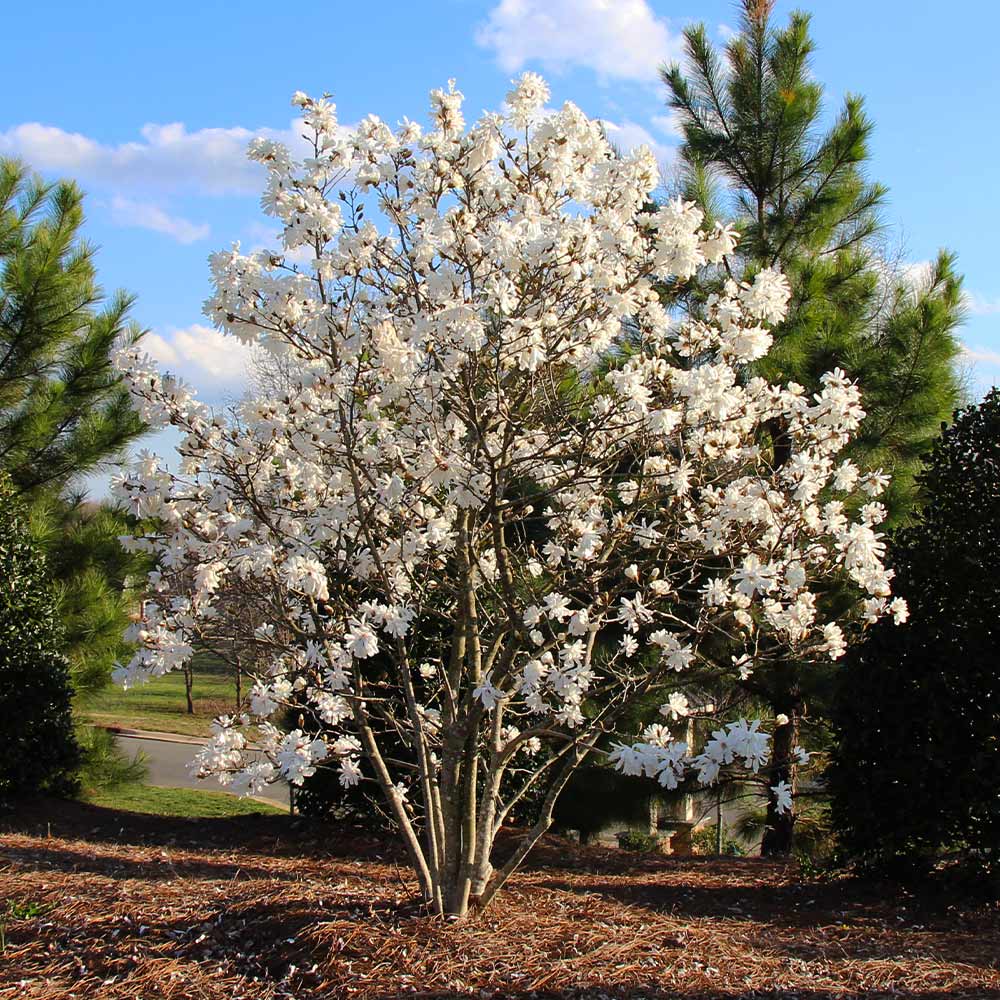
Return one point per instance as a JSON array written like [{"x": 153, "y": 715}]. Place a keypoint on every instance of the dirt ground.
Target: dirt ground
[{"x": 105, "y": 904}]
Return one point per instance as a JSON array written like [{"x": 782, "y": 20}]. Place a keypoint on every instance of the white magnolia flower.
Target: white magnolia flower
[
  {"x": 361, "y": 641},
  {"x": 350, "y": 772},
  {"x": 489, "y": 695},
  {"x": 782, "y": 796},
  {"x": 307, "y": 575},
  {"x": 557, "y": 607},
  {"x": 528, "y": 96},
  {"x": 656, "y": 734},
  {"x": 677, "y": 706},
  {"x": 767, "y": 295},
  {"x": 900, "y": 610}
]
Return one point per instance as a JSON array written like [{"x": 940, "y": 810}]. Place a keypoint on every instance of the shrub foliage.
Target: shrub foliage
[
  {"x": 916, "y": 773},
  {"x": 39, "y": 751}
]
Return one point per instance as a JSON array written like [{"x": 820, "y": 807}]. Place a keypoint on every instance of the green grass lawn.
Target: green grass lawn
[
  {"x": 176, "y": 802},
  {"x": 160, "y": 705}
]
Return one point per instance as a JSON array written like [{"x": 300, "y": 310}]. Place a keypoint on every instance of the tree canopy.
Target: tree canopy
[
  {"x": 63, "y": 410},
  {"x": 757, "y": 155},
  {"x": 490, "y": 509}
]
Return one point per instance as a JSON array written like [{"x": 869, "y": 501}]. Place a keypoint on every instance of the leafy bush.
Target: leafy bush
[
  {"x": 38, "y": 752},
  {"x": 635, "y": 840},
  {"x": 596, "y": 796},
  {"x": 915, "y": 772},
  {"x": 703, "y": 841}
]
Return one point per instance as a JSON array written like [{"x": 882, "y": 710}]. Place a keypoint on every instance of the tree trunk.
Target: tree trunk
[
  {"x": 718, "y": 821},
  {"x": 780, "y": 827},
  {"x": 188, "y": 685}
]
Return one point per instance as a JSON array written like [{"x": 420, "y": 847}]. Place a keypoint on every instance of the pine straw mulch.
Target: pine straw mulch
[{"x": 140, "y": 907}]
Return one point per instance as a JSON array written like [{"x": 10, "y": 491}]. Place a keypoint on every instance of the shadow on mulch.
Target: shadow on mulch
[
  {"x": 268, "y": 833},
  {"x": 754, "y": 893},
  {"x": 643, "y": 993},
  {"x": 263, "y": 907}
]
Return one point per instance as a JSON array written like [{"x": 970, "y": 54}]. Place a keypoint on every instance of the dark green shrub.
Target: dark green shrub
[
  {"x": 916, "y": 772},
  {"x": 596, "y": 796},
  {"x": 321, "y": 796},
  {"x": 38, "y": 751}
]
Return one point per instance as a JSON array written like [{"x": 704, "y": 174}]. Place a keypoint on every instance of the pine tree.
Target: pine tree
[
  {"x": 63, "y": 411},
  {"x": 39, "y": 750},
  {"x": 756, "y": 154},
  {"x": 94, "y": 581}
]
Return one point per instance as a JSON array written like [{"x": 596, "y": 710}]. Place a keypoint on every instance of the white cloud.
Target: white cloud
[
  {"x": 165, "y": 158},
  {"x": 617, "y": 39},
  {"x": 143, "y": 173},
  {"x": 980, "y": 305},
  {"x": 144, "y": 215},
  {"x": 627, "y": 135},
  {"x": 915, "y": 274},
  {"x": 981, "y": 355},
  {"x": 982, "y": 366},
  {"x": 209, "y": 360},
  {"x": 668, "y": 124}
]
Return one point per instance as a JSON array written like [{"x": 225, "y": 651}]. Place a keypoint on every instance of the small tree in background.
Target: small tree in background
[
  {"x": 63, "y": 411},
  {"x": 757, "y": 156},
  {"x": 917, "y": 767},
  {"x": 40, "y": 753}
]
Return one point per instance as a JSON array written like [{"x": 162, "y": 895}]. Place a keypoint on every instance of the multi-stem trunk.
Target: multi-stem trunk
[{"x": 466, "y": 811}]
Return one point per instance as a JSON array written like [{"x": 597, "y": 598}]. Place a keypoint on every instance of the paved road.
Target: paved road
[{"x": 168, "y": 762}]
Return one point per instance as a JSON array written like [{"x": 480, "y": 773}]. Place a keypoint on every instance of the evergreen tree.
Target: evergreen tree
[
  {"x": 63, "y": 410},
  {"x": 39, "y": 750},
  {"x": 94, "y": 581},
  {"x": 919, "y": 706},
  {"x": 756, "y": 154}
]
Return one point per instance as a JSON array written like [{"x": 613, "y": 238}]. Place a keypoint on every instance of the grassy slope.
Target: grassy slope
[
  {"x": 160, "y": 705},
  {"x": 176, "y": 802}
]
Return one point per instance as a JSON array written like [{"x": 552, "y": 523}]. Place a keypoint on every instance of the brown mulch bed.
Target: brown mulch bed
[{"x": 259, "y": 908}]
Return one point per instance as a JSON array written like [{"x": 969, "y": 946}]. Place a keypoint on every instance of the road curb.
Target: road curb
[
  {"x": 148, "y": 734},
  {"x": 157, "y": 737}
]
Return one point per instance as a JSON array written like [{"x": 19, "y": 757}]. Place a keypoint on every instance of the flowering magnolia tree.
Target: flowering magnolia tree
[{"x": 505, "y": 494}]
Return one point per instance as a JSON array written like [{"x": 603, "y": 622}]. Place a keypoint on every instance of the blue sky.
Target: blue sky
[{"x": 150, "y": 107}]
